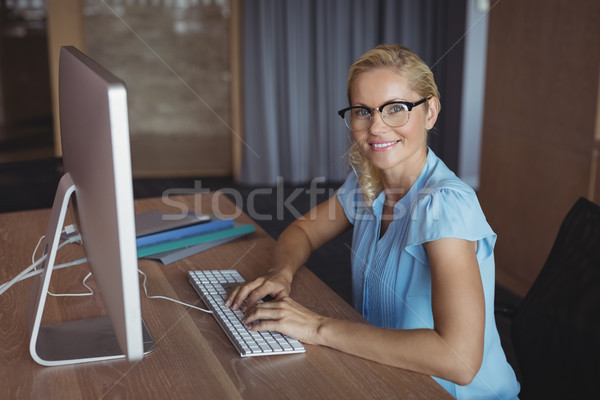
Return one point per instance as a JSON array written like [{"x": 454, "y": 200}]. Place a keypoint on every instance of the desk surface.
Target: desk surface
[{"x": 193, "y": 358}]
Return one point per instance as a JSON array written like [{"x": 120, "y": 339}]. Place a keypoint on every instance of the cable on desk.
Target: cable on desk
[
  {"x": 69, "y": 230},
  {"x": 32, "y": 271},
  {"x": 73, "y": 238},
  {"x": 168, "y": 298}
]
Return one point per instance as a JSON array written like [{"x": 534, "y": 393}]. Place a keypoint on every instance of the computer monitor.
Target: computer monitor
[{"x": 96, "y": 156}]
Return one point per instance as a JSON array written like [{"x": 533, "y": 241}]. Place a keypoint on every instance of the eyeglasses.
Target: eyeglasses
[{"x": 394, "y": 114}]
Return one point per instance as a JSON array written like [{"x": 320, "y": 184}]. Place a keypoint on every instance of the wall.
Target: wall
[
  {"x": 174, "y": 58},
  {"x": 25, "y": 102},
  {"x": 540, "y": 132}
]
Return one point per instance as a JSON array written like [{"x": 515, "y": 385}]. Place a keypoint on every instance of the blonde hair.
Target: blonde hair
[{"x": 405, "y": 63}]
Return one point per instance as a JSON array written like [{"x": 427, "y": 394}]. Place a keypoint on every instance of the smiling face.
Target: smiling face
[{"x": 397, "y": 152}]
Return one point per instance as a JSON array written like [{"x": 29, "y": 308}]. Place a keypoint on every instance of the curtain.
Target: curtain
[{"x": 296, "y": 58}]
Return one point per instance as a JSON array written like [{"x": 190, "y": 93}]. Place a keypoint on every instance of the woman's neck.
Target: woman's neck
[{"x": 397, "y": 182}]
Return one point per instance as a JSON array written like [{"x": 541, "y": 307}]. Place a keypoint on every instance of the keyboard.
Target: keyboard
[{"x": 212, "y": 287}]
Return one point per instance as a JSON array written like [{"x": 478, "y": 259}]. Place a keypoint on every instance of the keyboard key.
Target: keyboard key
[{"x": 210, "y": 286}]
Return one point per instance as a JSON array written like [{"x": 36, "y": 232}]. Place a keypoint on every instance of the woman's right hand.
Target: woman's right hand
[
  {"x": 292, "y": 250},
  {"x": 277, "y": 284}
]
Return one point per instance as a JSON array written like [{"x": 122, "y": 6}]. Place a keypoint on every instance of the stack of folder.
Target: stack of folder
[{"x": 169, "y": 238}]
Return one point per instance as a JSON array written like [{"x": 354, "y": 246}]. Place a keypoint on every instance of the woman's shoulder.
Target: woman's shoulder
[
  {"x": 440, "y": 178},
  {"x": 445, "y": 206}
]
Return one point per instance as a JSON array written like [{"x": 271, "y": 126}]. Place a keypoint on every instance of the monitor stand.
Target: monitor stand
[{"x": 76, "y": 341}]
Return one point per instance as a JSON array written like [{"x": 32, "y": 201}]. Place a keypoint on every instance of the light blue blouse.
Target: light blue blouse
[{"x": 391, "y": 278}]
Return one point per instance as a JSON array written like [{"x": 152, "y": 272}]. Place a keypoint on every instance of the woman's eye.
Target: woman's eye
[
  {"x": 395, "y": 108},
  {"x": 362, "y": 113}
]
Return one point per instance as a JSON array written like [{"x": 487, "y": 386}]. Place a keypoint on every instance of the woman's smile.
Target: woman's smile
[{"x": 383, "y": 145}]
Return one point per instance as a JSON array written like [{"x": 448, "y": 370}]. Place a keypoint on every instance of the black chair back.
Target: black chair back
[{"x": 556, "y": 330}]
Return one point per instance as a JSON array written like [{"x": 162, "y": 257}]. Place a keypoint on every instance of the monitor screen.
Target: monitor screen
[{"x": 98, "y": 181}]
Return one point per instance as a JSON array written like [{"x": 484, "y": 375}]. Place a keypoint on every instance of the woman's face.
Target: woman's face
[{"x": 393, "y": 150}]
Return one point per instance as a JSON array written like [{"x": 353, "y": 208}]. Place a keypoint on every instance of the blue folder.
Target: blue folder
[{"x": 180, "y": 233}]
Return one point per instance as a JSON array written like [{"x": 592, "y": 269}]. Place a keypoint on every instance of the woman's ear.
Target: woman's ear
[{"x": 433, "y": 109}]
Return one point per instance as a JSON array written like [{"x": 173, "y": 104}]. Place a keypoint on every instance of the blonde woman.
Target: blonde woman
[{"x": 422, "y": 251}]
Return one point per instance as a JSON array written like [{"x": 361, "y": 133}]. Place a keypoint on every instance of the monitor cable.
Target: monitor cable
[{"x": 71, "y": 236}]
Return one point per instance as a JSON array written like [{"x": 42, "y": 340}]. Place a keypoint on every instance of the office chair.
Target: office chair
[{"x": 556, "y": 328}]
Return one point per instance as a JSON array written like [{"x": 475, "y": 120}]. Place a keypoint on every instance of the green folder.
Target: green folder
[{"x": 238, "y": 229}]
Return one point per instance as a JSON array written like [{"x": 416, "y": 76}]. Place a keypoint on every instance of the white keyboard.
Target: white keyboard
[{"x": 212, "y": 287}]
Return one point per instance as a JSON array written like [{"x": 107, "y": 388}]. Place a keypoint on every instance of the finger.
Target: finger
[
  {"x": 256, "y": 296},
  {"x": 241, "y": 293},
  {"x": 267, "y": 325},
  {"x": 232, "y": 295},
  {"x": 251, "y": 293},
  {"x": 259, "y": 313},
  {"x": 276, "y": 309},
  {"x": 267, "y": 289},
  {"x": 235, "y": 296}
]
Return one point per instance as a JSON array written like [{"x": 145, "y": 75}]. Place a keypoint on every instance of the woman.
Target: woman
[{"x": 422, "y": 252}]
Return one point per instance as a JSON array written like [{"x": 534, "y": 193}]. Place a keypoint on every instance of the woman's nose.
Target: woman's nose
[{"x": 377, "y": 123}]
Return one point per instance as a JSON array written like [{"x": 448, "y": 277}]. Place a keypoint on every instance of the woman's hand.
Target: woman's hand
[
  {"x": 294, "y": 246},
  {"x": 286, "y": 316},
  {"x": 275, "y": 284}
]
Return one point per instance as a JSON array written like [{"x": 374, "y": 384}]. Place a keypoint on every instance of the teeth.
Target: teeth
[{"x": 380, "y": 145}]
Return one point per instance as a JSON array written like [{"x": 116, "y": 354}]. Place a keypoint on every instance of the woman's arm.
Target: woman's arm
[
  {"x": 452, "y": 350},
  {"x": 292, "y": 249}
]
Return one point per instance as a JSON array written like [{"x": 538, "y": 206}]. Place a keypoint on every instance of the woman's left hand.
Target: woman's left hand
[{"x": 286, "y": 316}]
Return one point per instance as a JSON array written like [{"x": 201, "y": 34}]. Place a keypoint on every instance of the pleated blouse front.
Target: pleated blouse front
[{"x": 391, "y": 277}]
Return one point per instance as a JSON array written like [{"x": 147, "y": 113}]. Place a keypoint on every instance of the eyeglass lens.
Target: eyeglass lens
[{"x": 395, "y": 115}]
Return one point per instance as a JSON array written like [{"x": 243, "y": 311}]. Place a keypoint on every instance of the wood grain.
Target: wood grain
[{"x": 193, "y": 358}]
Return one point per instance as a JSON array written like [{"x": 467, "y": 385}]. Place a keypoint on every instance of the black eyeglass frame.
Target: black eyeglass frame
[{"x": 409, "y": 106}]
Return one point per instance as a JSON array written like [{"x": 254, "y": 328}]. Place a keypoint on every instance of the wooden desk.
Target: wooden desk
[{"x": 193, "y": 358}]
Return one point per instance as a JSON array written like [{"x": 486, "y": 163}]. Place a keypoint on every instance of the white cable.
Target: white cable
[
  {"x": 168, "y": 298},
  {"x": 90, "y": 293},
  {"x": 24, "y": 275},
  {"x": 5, "y": 286},
  {"x": 36, "y": 248},
  {"x": 69, "y": 230},
  {"x": 27, "y": 272}
]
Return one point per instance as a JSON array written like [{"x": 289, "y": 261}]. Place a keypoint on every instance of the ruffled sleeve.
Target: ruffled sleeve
[{"x": 448, "y": 212}]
